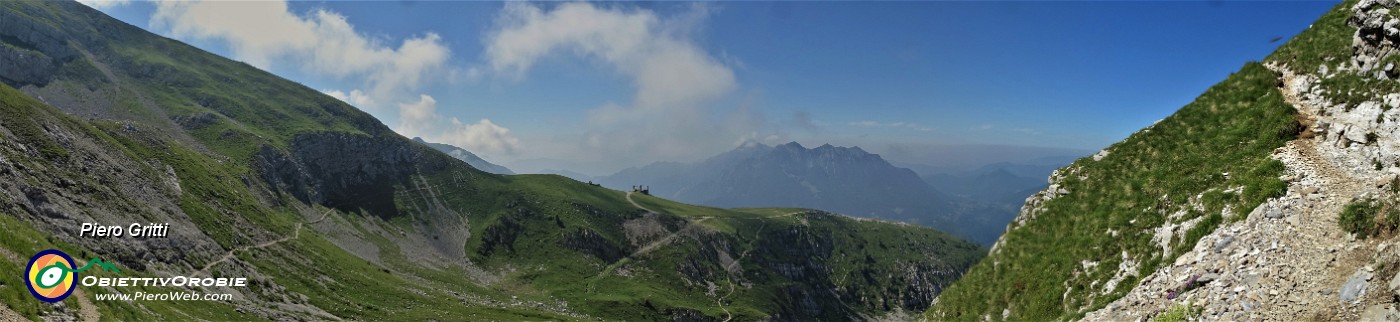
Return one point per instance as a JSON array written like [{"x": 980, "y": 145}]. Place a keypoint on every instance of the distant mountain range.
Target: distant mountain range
[
  {"x": 467, "y": 156},
  {"x": 847, "y": 180},
  {"x": 998, "y": 182}
]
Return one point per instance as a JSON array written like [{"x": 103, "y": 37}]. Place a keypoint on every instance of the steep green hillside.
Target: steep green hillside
[
  {"x": 1106, "y": 224},
  {"x": 1206, "y": 164},
  {"x": 333, "y": 215}
]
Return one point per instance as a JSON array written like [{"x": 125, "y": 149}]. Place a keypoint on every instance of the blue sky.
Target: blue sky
[{"x": 609, "y": 85}]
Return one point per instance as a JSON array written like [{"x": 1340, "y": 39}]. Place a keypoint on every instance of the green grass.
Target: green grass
[
  {"x": 1177, "y": 313},
  {"x": 1326, "y": 41},
  {"x": 366, "y": 291},
  {"x": 23, "y": 241},
  {"x": 550, "y": 207},
  {"x": 1352, "y": 89},
  {"x": 218, "y": 203},
  {"x": 1370, "y": 217},
  {"x": 18, "y": 115},
  {"x": 1231, "y": 128},
  {"x": 1359, "y": 217}
]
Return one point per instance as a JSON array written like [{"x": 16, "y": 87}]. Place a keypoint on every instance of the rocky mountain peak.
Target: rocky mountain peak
[
  {"x": 466, "y": 156},
  {"x": 792, "y": 146}
]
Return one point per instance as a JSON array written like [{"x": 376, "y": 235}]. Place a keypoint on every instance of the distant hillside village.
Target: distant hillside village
[{"x": 642, "y": 189}]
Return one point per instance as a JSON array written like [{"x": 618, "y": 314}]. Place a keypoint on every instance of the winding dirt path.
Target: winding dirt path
[
  {"x": 729, "y": 278},
  {"x": 87, "y": 312},
  {"x": 230, "y": 255},
  {"x": 1320, "y": 236},
  {"x": 635, "y": 204},
  {"x": 690, "y": 225},
  {"x": 1275, "y": 269}
]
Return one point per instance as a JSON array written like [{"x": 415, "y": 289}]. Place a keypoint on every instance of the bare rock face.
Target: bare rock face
[
  {"x": 19, "y": 66},
  {"x": 349, "y": 172},
  {"x": 1376, "y": 37},
  {"x": 285, "y": 174},
  {"x": 1366, "y": 134},
  {"x": 357, "y": 173},
  {"x": 96, "y": 183}
]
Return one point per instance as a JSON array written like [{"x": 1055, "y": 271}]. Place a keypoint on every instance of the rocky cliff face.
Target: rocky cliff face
[{"x": 31, "y": 53}]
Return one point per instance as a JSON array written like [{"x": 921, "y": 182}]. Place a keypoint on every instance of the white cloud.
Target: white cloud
[
  {"x": 103, "y": 4},
  {"x": 665, "y": 67},
  {"x": 337, "y": 94},
  {"x": 671, "y": 114},
  {"x": 420, "y": 118},
  {"x": 265, "y": 33},
  {"x": 482, "y": 136},
  {"x": 416, "y": 118},
  {"x": 355, "y": 98}
]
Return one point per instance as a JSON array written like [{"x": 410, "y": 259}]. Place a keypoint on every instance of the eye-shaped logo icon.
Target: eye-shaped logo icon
[{"x": 50, "y": 276}]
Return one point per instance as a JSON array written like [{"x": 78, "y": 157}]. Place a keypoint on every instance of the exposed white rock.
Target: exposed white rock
[
  {"x": 1126, "y": 268},
  {"x": 1102, "y": 154}
]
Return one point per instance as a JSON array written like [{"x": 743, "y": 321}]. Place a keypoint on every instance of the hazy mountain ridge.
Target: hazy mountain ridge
[
  {"x": 846, "y": 180},
  {"x": 466, "y": 156},
  {"x": 784, "y": 175}
]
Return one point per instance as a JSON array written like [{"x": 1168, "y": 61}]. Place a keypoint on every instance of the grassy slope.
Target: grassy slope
[
  {"x": 360, "y": 289},
  {"x": 657, "y": 286},
  {"x": 1231, "y": 128},
  {"x": 1327, "y": 41},
  {"x": 1228, "y": 129},
  {"x": 25, "y": 118}
]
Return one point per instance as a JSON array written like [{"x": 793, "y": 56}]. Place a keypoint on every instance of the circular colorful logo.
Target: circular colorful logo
[{"x": 50, "y": 275}]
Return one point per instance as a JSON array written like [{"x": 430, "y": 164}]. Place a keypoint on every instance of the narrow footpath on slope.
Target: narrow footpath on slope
[
  {"x": 1286, "y": 261},
  {"x": 649, "y": 247},
  {"x": 296, "y": 232},
  {"x": 690, "y": 225}
]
